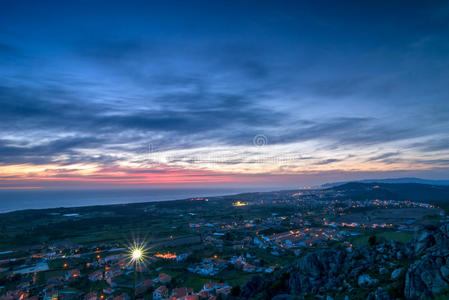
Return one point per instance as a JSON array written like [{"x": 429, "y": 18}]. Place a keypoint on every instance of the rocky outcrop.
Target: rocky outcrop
[
  {"x": 333, "y": 270},
  {"x": 424, "y": 241},
  {"x": 317, "y": 272},
  {"x": 429, "y": 275},
  {"x": 255, "y": 285},
  {"x": 416, "y": 270}
]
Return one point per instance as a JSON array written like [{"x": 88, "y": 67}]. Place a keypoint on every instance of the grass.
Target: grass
[
  {"x": 196, "y": 282},
  {"x": 402, "y": 237},
  {"x": 234, "y": 277}
]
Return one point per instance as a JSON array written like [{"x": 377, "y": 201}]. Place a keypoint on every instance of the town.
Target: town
[
  {"x": 199, "y": 248},
  {"x": 228, "y": 150}
]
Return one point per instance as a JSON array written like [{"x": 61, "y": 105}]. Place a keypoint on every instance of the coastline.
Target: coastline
[{"x": 64, "y": 199}]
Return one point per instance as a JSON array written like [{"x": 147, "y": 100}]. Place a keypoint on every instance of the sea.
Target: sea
[{"x": 13, "y": 200}]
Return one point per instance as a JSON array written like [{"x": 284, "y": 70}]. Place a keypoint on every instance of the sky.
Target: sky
[{"x": 222, "y": 93}]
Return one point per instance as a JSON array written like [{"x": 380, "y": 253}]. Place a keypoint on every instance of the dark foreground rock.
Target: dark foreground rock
[
  {"x": 387, "y": 270},
  {"x": 429, "y": 275}
]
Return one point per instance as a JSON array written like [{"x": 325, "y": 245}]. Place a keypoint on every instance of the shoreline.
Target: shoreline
[{"x": 145, "y": 201}]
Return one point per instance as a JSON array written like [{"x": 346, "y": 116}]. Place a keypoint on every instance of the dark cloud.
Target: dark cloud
[
  {"x": 433, "y": 145},
  {"x": 182, "y": 120},
  {"x": 185, "y": 79},
  {"x": 384, "y": 156},
  {"x": 28, "y": 108},
  {"x": 44, "y": 152},
  {"x": 327, "y": 161}
]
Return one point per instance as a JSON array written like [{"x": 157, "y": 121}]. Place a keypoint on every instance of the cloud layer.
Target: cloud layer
[{"x": 151, "y": 95}]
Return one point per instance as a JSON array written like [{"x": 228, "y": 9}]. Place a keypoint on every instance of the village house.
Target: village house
[
  {"x": 50, "y": 294},
  {"x": 96, "y": 276},
  {"x": 72, "y": 274},
  {"x": 224, "y": 290},
  {"x": 91, "y": 296},
  {"x": 181, "y": 293},
  {"x": 108, "y": 290},
  {"x": 119, "y": 281},
  {"x": 113, "y": 258},
  {"x": 209, "y": 266},
  {"x": 15, "y": 294},
  {"x": 121, "y": 297},
  {"x": 204, "y": 294},
  {"x": 112, "y": 271},
  {"x": 164, "y": 278},
  {"x": 213, "y": 286},
  {"x": 55, "y": 280},
  {"x": 144, "y": 286},
  {"x": 249, "y": 268},
  {"x": 161, "y": 292}
]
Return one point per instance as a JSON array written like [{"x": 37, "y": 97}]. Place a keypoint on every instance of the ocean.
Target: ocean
[{"x": 12, "y": 200}]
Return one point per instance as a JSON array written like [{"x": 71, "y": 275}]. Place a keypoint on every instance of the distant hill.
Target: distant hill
[
  {"x": 391, "y": 180},
  {"x": 417, "y": 192}
]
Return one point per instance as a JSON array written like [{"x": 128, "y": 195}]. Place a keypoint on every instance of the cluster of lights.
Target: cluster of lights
[{"x": 167, "y": 255}]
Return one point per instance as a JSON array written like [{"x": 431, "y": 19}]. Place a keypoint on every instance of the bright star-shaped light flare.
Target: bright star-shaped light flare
[{"x": 136, "y": 254}]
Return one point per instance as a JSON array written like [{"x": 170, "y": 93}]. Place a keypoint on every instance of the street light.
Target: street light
[
  {"x": 136, "y": 254},
  {"x": 137, "y": 257}
]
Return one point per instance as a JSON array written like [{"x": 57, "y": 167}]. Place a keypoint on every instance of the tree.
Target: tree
[
  {"x": 235, "y": 291},
  {"x": 372, "y": 240}
]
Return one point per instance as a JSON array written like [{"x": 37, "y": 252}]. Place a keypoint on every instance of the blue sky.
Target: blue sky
[{"x": 156, "y": 93}]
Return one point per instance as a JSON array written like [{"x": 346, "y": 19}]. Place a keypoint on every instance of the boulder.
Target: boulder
[
  {"x": 317, "y": 272},
  {"x": 366, "y": 280},
  {"x": 444, "y": 229},
  {"x": 445, "y": 272},
  {"x": 379, "y": 294},
  {"x": 253, "y": 286},
  {"x": 426, "y": 277},
  {"x": 424, "y": 241},
  {"x": 283, "y": 297},
  {"x": 396, "y": 273},
  {"x": 355, "y": 272}
]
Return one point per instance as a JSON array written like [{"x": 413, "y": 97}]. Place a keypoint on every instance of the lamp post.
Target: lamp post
[{"x": 136, "y": 256}]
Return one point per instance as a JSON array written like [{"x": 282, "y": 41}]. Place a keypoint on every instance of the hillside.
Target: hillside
[
  {"x": 434, "y": 194},
  {"x": 391, "y": 180}
]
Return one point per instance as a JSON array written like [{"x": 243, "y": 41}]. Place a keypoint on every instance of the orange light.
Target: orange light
[{"x": 167, "y": 255}]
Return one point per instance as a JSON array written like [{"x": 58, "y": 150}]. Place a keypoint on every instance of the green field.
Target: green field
[{"x": 388, "y": 235}]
